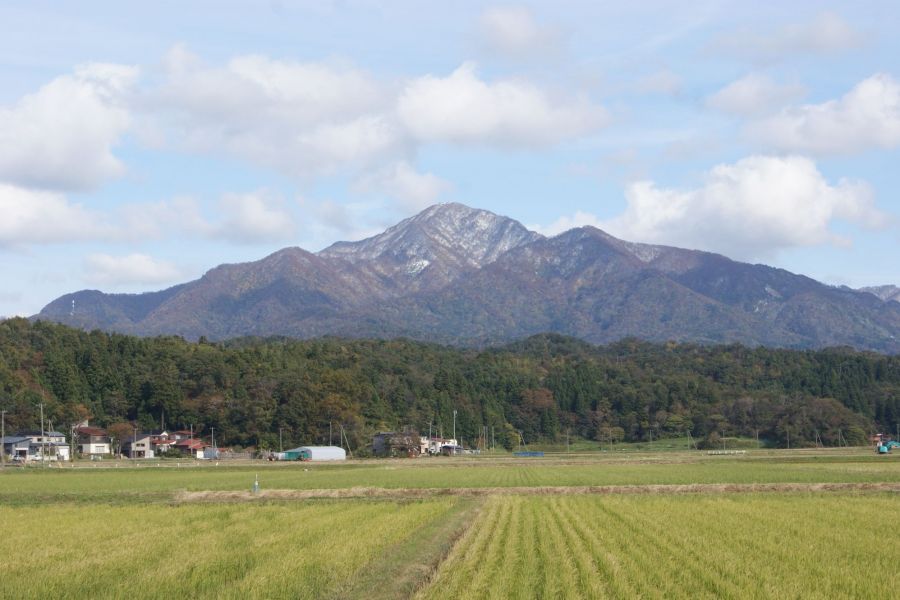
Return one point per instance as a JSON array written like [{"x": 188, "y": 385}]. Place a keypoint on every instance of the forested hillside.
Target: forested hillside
[{"x": 543, "y": 386}]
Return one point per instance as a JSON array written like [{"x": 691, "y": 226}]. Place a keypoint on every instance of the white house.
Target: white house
[
  {"x": 51, "y": 445},
  {"x": 92, "y": 441},
  {"x": 139, "y": 445}
]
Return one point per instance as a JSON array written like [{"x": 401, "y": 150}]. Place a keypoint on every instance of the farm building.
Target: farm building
[
  {"x": 313, "y": 453},
  {"x": 397, "y": 444}
]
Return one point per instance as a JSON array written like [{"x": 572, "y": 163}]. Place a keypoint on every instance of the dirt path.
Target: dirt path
[{"x": 414, "y": 493}]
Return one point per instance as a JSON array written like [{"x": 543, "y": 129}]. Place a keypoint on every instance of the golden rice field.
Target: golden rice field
[
  {"x": 314, "y": 550},
  {"x": 486, "y": 528},
  {"x": 734, "y": 546}
]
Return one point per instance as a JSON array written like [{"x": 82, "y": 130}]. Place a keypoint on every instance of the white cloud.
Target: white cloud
[
  {"x": 513, "y": 31},
  {"x": 103, "y": 269},
  {"x": 754, "y": 94},
  {"x": 461, "y": 108},
  {"x": 61, "y": 137},
  {"x": 252, "y": 218},
  {"x": 411, "y": 189},
  {"x": 868, "y": 116},
  {"x": 304, "y": 119},
  {"x": 154, "y": 220},
  {"x": 747, "y": 210},
  {"x": 826, "y": 33},
  {"x": 37, "y": 217}
]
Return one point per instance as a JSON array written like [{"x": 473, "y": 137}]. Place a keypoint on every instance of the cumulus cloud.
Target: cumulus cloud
[
  {"x": 513, "y": 31},
  {"x": 461, "y": 108},
  {"x": 252, "y": 218},
  {"x": 868, "y": 116},
  {"x": 39, "y": 217},
  {"x": 310, "y": 119},
  {"x": 411, "y": 189},
  {"x": 304, "y": 118},
  {"x": 747, "y": 210},
  {"x": 754, "y": 94},
  {"x": 61, "y": 137},
  {"x": 133, "y": 269},
  {"x": 827, "y": 33}
]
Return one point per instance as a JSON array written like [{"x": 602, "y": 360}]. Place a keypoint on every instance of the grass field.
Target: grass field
[
  {"x": 108, "y": 532},
  {"x": 34, "y": 484}
]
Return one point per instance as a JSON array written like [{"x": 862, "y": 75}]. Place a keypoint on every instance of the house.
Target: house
[
  {"x": 92, "y": 441},
  {"x": 162, "y": 445},
  {"x": 138, "y": 445},
  {"x": 181, "y": 434},
  {"x": 435, "y": 444},
  {"x": 16, "y": 446},
  {"x": 51, "y": 445},
  {"x": 191, "y": 447}
]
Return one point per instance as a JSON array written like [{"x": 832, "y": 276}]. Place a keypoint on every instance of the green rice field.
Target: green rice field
[
  {"x": 150, "y": 481},
  {"x": 534, "y": 529}
]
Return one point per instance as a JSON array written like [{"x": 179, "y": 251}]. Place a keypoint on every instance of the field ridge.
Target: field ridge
[{"x": 375, "y": 492}]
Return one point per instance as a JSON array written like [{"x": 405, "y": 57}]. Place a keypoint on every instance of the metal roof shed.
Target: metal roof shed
[{"x": 322, "y": 453}]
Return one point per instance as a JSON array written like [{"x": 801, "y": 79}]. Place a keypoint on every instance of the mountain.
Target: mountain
[
  {"x": 885, "y": 292},
  {"x": 459, "y": 275}
]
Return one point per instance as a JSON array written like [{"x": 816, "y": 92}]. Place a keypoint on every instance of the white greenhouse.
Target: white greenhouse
[{"x": 318, "y": 453}]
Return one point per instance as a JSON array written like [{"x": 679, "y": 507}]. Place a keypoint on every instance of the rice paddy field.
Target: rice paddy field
[{"x": 767, "y": 524}]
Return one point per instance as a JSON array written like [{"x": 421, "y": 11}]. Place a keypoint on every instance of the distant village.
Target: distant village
[{"x": 96, "y": 443}]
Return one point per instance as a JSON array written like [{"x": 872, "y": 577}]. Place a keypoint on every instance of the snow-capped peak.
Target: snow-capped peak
[{"x": 444, "y": 232}]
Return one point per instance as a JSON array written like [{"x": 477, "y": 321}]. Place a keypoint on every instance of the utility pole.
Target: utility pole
[
  {"x": 213, "y": 437},
  {"x": 43, "y": 437},
  {"x": 454, "y": 427},
  {"x": 330, "y": 443},
  {"x": 133, "y": 440},
  {"x": 2, "y": 437},
  {"x": 280, "y": 441}
]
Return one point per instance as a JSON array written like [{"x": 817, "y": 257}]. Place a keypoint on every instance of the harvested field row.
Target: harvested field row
[
  {"x": 394, "y": 493},
  {"x": 670, "y": 546}
]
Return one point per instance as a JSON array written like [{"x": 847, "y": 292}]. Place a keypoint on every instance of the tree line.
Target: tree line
[{"x": 263, "y": 392}]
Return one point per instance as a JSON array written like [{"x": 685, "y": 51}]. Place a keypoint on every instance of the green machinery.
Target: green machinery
[{"x": 885, "y": 447}]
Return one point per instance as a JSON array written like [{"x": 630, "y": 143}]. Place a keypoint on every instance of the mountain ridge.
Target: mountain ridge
[{"x": 466, "y": 276}]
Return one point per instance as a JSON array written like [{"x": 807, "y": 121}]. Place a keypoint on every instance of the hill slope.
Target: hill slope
[{"x": 455, "y": 274}]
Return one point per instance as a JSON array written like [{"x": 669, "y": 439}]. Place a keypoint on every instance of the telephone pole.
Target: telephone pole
[
  {"x": 43, "y": 437},
  {"x": 2, "y": 436},
  {"x": 454, "y": 427}
]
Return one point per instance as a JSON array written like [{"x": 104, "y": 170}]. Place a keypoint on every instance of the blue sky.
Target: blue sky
[{"x": 144, "y": 143}]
